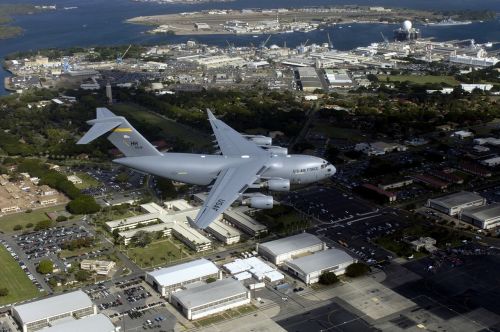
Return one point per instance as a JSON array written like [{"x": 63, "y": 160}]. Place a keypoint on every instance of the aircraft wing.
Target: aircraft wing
[
  {"x": 229, "y": 185},
  {"x": 230, "y": 142}
]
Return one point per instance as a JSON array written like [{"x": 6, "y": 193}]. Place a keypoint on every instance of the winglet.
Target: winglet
[{"x": 211, "y": 116}]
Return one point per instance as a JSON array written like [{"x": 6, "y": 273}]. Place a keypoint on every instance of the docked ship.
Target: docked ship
[{"x": 450, "y": 22}]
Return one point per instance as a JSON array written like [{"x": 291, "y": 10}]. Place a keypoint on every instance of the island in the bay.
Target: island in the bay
[{"x": 7, "y": 10}]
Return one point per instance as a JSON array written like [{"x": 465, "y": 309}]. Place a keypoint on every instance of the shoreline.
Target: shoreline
[{"x": 275, "y": 21}]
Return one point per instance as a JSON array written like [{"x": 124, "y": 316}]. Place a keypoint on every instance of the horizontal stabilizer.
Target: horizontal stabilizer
[{"x": 98, "y": 129}]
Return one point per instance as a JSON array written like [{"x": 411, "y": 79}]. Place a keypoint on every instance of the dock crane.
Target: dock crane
[
  {"x": 230, "y": 47},
  {"x": 119, "y": 58},
  {"x": 386, "y": 41},
  {"x": 264, "y": 43}
]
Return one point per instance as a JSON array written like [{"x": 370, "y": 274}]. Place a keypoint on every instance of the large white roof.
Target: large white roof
[
  {"x": 183, "y": 272},
  {"x": 53, "y": 306},
  {"x": 320, "y": 261},
  {"x": 94, "y": 323},
  {"x": 208, "y": 293},
  {"x": 291, "y": 243}
]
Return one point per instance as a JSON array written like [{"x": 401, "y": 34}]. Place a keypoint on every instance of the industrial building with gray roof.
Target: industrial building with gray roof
[
  {"x": 42, "y": 313},
  {"x": 485, "y": 217},
  {"x": 454, "y": 203},
  {"x": 211, "y": 298},
  {"x": 281, "y": 250},
  {"x": 309, "y": 268}
]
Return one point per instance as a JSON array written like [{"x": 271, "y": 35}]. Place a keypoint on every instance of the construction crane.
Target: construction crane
[
  {"x": 119, "y": 58},
  {"x": 302, "y": 47},
  {"x": 264, "y": 43},
  {"x": 330, "y": 44}
]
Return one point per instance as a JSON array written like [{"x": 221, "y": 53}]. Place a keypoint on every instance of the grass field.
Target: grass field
[
  {"x": 15, "y": 280},
  {"x": 8, "y": 222},
  {"x": 171, "y": 128},
  {"x": 420, "y": 79},
  {"x": 155, "y": 253},
  {"x": 87, "y": 181}
]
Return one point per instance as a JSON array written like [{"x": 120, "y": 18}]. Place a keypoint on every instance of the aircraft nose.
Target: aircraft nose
[{"x": 330, "y": 171}]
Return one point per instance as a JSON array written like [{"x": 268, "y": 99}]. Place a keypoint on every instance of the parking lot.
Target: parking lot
[
  {"x": 133, "y": 305},
  {"x": 345, "y": 220},
  {"x": 50, "y": 241},
  {"x": 328, "y": 205},
  {"x": 108, "y": 180}
]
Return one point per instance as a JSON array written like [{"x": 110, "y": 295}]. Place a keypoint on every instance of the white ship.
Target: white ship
[{"x": 450, "y": 22}]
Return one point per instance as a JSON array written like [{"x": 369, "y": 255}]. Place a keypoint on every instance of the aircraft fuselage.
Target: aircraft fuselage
[{"x": 201, "y": 169}]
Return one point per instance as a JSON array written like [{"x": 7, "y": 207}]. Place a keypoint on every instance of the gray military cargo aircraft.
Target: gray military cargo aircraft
[{"x": 246, "y": 162}]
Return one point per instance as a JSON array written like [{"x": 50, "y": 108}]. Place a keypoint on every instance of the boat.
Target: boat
[{"x": 449, "y": 22}]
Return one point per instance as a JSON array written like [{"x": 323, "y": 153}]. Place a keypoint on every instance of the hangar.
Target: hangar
[
  {"x": 309, "y": 268},
  {"x": 212, "y": 298},
  {"x": 170, "y": 279},
  {"x": 279, "y": 251},
  {"x": 43, "y": 313},
  {"x": 454, "y": 203}
]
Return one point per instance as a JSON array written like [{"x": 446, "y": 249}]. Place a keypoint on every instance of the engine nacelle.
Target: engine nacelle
[
  {"x": 277, "y": 150},
  {"x": 259, "y": 139},
  {"x": 278, "y": 184},
  {"x": 259, "y": 202}
]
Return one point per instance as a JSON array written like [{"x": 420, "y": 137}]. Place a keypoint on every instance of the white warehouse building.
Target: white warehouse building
[
  {"x": 94, "y": 323},
  {"x": 212, "y": 298},
  {"x": 279, "y": 251},
  {"x": 170, "y": 279},
  {"x": 43, "y": 313},
  {"x": 485, "y": 217},
  {"x": 309, "y": 268},
  {"x": 454, "y": 203}
]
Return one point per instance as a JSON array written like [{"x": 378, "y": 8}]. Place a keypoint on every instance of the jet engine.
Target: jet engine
[
  {"x": 277, "y": 184},
  {"x": 277, "y": 150},
  {"x": 259, "y": 202},
  {"x": 259, "y": 139}
]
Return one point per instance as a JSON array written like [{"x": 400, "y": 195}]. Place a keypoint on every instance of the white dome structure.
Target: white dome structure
[{"x": 407, "y": 25}]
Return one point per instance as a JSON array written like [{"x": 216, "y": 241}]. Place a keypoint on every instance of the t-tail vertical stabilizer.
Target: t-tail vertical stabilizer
[{"x": 128, "y": 140}]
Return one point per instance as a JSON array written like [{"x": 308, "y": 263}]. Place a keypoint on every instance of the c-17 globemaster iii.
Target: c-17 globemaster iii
[{"x": 246, "y": 162}]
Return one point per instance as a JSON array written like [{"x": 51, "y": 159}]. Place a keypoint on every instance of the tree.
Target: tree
[
  {"x": 83, "y": 204},
  {"x": 141, "y": 239},
  {"x": 356, "y": 270},
  {"x": 166, "y": 187},
  {"x": 29, "y": 225},
  {"x": 43, "y": 224},
  {"x": 122, "y": 177},
  {"x": 4, "y": 291},
  {"x": 210, "y": 280},
  {"x": 18, "y": 227},
  {"x": 61, "y": 218},
  {"x": 82, "y": 275},
  {"x": 328, "y": 278},
  {"x": 45, "y": 266}
]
